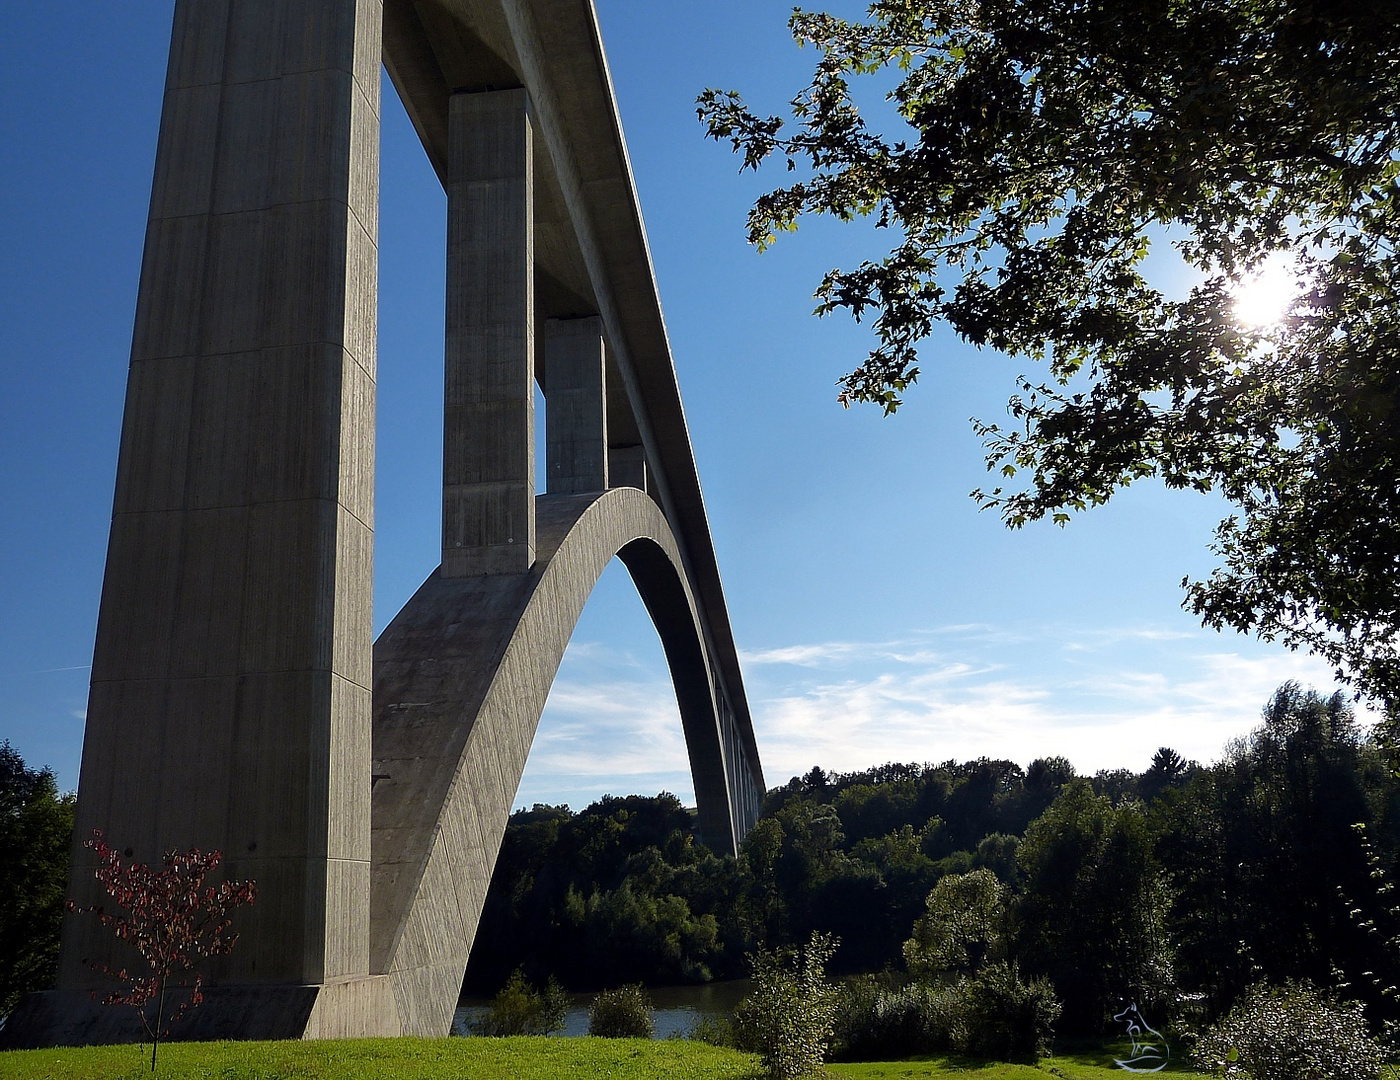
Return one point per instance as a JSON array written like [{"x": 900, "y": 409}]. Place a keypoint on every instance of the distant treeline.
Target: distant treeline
[{"x": 1181, "y": 880}]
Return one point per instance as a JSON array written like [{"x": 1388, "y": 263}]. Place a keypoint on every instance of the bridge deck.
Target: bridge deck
[{"x": 591, "y": 248}]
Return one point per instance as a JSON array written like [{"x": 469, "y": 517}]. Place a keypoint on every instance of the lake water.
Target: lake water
[{"x": 678, "y": 1008}]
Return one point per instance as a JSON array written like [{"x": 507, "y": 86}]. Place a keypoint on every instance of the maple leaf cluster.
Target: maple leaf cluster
[{"x": 172, "y": 919}]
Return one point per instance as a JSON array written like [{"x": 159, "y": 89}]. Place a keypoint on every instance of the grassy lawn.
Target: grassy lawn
[
  {"x": 1068, "y": 1067},
  {"x": 496, "y": 1059},
  {"x": 390, "y": 1059}
]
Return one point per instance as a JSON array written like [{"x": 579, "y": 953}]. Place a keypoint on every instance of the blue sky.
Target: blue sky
[{"x": 879, "y": 614}]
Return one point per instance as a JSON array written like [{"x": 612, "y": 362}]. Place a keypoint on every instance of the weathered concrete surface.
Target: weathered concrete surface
[
  {"x": 230, "y": 702},
  {"x": 357, "y": 1008},
  {"x": 461, "y": 678},
  {"x": 627, "y": 467},
  {"x": 554, "y": 49},
  {"x": 231, "y": 697},
  {"x": 599, "y": 264},
  {"x": 488, "y": 482},
  {"x": 576, "y": 418}
]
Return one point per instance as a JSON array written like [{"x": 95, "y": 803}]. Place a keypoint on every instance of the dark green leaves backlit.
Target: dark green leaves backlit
[{"x": 1046, "y": 146}]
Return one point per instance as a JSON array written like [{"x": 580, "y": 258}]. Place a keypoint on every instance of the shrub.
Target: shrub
[
  {"x": 624, "y": 1013},
  {"x": 1003, "y": 1016},
  {"x": 715, "y": 1031},
  {"x": 1291, "y": 1032},
  {"x": 877, "y": 1022},
  {"x": 992, "y": 1014},
  {"x": 788, "y": 1018},
  {"x": 519, "y": 1009},
  {"x": 173, "y": 921}
]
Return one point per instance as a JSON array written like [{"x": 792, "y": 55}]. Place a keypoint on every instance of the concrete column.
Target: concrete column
[
  {"x": 627, "y": 467},
  {"x": 488, "y": 497},
  {"x": 576, "y": 426},
  {"x": 230, "y": 704}
]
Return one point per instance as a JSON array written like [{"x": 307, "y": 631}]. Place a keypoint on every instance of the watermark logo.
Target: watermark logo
[{"x": 1150, "y": 1052}]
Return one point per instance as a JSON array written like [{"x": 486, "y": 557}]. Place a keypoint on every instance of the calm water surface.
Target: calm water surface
[{"x": 678, "y": 1008}]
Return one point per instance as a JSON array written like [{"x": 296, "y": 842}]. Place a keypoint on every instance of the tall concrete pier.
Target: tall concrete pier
[{"x": 237, "y": 700}]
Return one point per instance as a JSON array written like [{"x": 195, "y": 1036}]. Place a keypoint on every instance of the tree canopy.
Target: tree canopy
[
  {"x": 36, "y": 831},
  {"x": 1175, "y": 888},
  {"x": 1047, "y": 146}
]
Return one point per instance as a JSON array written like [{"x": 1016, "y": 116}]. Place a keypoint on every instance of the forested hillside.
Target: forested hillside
[{"x": 1182, "y": 880}]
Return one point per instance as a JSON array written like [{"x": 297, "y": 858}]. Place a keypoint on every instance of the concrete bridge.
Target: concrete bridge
[{"x": 237, "y": 698}]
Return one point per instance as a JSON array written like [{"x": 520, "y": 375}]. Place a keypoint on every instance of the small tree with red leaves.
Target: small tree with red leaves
[{"x": 173, "y": 920}]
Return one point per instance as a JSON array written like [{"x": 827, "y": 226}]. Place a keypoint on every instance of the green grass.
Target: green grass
[
  {"x": 390, "y": 1059},
  {"x": 1083, "y": 1066},
  {"x": 1085, "y": 1063},
  {"x": 497, "y": 1059},
  {"x": 960, "y": 1067}
]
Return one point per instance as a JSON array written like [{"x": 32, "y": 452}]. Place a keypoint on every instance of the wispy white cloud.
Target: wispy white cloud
[
  {"x": 1103, "y": 697},
  {"x": 915, "y": 649},
  {"x": 927, "y": 646},
  {"x": 608, "y": 728},
  {"x": 1096, "y": 711},
  {"x": 598, "y": 652},
  {"x": 802, "y": 655},
  {"x": 1090, "y": 638}
]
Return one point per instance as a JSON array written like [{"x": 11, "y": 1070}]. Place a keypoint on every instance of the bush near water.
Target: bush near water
[
  {"x": 622, "y": 1013},
  {"x": 520, "y": 1009}
]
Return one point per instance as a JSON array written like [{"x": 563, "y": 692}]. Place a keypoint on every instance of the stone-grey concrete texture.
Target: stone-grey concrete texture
[
  {"x": 461, "y": 678},
  {"x": 488, "y": 481},
  {"x": 576, "y": 422},
  {"x": 591, "y": 255},
  {"x": 237, "y": 701},
  {"x": 627, "y": 466},
  {"x": 231, "y": 682}
]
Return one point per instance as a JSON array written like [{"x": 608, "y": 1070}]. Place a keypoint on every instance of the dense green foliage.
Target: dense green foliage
[
  {"x": 1291, "y": 1032},
  {"x": 624, "y": 1012},
  {"x": 1260, "y": 851},
  {"x": 788, "y": 1018},
  {"x": 1062, "y": 1067},
  {"x": 965, "y": 922},
  {"x": 993, "y": 1013},
  {"x": 531, "y": 1058},
  {"x": 1005, "y": 1016},
  {"x": 624, "y": 892},
  {"x": 879, "y": 1017},
  {"x": 1121, "y": 887},
  {"x": 621, "y": 892},
  {"x": 519, "y": 1009},
  {"x": 36, "y": 832},
  {"x": 1095, "y": 906},
  {"x": 1030, "y": 155}
]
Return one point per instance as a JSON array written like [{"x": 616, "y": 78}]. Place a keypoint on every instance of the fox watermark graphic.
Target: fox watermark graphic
[{"x": 1150, "y": 1051}]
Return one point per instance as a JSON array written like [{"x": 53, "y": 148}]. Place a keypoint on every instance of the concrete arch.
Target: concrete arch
[
  {"x": 238, "y": 700},
  {"x": 461, "y": 677}
]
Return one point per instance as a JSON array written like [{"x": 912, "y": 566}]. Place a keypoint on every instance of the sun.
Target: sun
[{"x": 1263, "y": 298}]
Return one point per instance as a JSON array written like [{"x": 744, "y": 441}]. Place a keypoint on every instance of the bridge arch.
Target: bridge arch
[
  {"x": 461, "y": 677},
  {"x": 238, "y": 699}
]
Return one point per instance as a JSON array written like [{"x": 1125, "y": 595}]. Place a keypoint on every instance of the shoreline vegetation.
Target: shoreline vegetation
[
  {"x": 1244, "y": 907},
  {"x": 1175, "y": 888}
]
